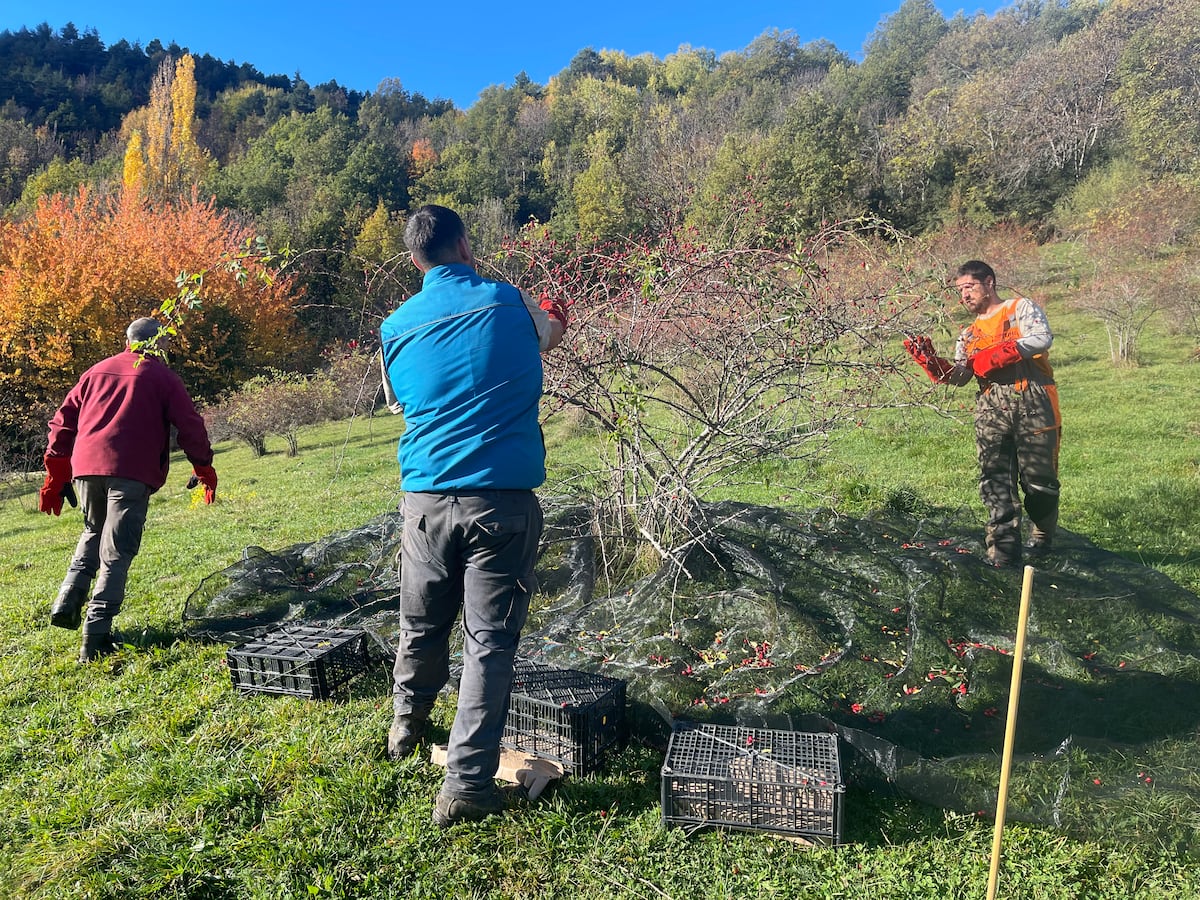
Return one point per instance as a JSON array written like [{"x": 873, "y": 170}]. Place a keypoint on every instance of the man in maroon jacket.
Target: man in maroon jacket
[{"x": 113, "y": 434}]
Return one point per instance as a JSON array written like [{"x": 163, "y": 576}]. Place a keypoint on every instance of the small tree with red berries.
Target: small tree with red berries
[{"x": 709, "y": 367}]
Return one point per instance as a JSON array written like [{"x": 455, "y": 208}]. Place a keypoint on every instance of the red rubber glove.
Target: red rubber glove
[
  {"x": 985, "y": 362},
  {"x": 921, "y": 350},
  {"x": 58, "y": 480},
  {"x": 556, "y": 308},
  {"x": 207, "y": 475}
]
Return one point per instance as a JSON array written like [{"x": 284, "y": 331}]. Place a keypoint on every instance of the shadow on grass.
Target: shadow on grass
[{"x": 150, "y": 637}]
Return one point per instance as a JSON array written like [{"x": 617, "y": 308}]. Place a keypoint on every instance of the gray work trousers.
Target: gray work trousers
[
  {"x": 114, "y": 517},
  {"x": 469, "y": 554}
]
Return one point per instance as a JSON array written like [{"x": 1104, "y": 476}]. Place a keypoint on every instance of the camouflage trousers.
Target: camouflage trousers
[{"x": 1017, "y": 437}]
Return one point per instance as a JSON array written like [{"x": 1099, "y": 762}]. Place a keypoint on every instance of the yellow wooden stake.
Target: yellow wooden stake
[{"x": 1010, "y": 729}]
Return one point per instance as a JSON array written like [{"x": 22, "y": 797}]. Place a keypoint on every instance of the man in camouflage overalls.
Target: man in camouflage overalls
[{"x": 1018, "y": 426}]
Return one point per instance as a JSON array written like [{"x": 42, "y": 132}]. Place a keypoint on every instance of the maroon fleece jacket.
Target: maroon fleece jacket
[{"x": 117, "y": 421}]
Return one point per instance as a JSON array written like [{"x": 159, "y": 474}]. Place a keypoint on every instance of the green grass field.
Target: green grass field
[{"x": 147, "y": 775}]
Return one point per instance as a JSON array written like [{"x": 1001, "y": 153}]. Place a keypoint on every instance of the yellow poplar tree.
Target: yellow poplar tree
[
  {"x": 158, "y": 130},
  {"x": 188, "y": 157},
  {"x": 163, "y": 134},
  {"x": 134, "y": 172}
]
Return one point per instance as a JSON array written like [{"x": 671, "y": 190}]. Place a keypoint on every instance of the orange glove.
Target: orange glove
[
  {"x": 556, "y": 308},
  {"x": 985, "y": 362},
  {"x": 57, "y": 483},
  {"x": 208, "y": 476},
  {"x": 921, "y": 350}
]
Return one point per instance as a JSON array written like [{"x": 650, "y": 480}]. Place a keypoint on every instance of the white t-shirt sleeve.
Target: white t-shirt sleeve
[
  {"x": 541, "y": 320},
  {"x": 389, "y": 393}
]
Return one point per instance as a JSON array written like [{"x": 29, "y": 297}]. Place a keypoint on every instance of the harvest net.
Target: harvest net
[{"x": 890, "y": 631}]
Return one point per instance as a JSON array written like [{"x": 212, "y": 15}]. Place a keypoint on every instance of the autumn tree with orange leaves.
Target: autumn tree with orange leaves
[{"x": 79, "y": 269}]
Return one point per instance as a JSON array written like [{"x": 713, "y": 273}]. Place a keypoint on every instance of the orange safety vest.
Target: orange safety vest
[{"x": 999, "y": 325}]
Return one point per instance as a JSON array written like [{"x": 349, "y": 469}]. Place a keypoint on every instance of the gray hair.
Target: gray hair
[{"x": 142, "y": 330}]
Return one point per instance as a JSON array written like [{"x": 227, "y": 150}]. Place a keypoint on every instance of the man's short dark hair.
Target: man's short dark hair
[
  {"x": 977, "y": 269},
  {"x": 432, "y": 234}
]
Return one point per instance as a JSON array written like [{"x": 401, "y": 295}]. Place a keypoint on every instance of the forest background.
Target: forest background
[{"x": 132, "y": 176}]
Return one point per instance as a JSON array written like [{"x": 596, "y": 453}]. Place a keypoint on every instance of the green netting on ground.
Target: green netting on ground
[
  {"x": 890, "y": 630},
  {"x": 350, "y": 578}
]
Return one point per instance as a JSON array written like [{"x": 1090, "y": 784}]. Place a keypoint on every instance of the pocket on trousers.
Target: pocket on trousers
[
  {"x": 497, "y": 525},
  {"x": 522, "y": 595},
  {"x": 416, "y": 542},
  {"x": 497, "y": 608}
]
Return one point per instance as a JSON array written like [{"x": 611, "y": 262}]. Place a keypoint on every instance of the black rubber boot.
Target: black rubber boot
[
  {"x": 96, "y": 646},
  {"x": 67, "y": 610}
]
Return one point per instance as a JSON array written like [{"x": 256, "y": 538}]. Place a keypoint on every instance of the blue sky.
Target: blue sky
[{"x": 455, "y": 50}]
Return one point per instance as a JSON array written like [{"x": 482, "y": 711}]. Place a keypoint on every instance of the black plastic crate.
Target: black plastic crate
[
  {"x": 573, "y": 718},
  {"x": 299, "y": 660},
  {"x": 754, "y": 779}
]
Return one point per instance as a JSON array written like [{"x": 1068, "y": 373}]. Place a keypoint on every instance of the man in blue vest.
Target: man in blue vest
[{"x": 462, "y": 362}]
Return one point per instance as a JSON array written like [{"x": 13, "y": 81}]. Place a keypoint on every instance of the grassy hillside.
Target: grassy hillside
[{"x": 146, "y": 775}]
